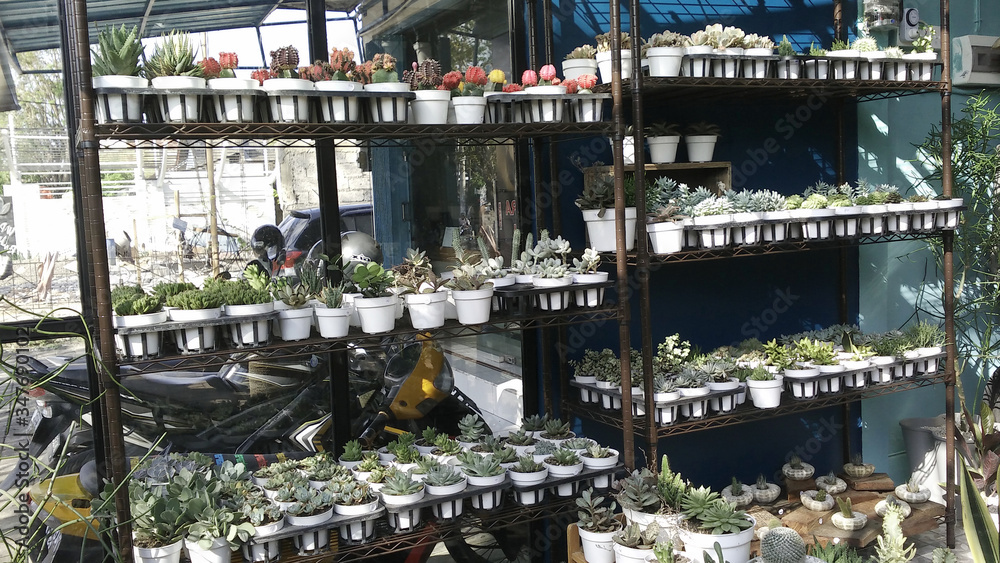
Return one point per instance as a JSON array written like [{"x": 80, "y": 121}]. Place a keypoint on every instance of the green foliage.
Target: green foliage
[
  {"x": 844, "y": 503},
  {"x": 556, "y": 428},
  {"x": 332, "y": 296},
  {"x": 670, "y": 485},
  {"x": 785, "y": 48},
  {"x": 351, "y": 493},
  {"x": 173, "y": 56},
  {"x": 527, "y": 464},
  {"x": 471, "y": 428},
  {"x": 520, "y": 438},
  {"x": 533, "y": 423},
  {"x": 123, "y": 292},
  {"x": 194, "y": 299},
  {"x": 400, "y": 484},
  {"x": 138, "y": 305},
  {"x": 167, "y": 289},
  {"x": 482, "y": 466},
  {"x": 295, "y": 295},
  {"x": 443, "y": 476},
  {"x": 984, "y": 543},
  {"x": 242, "y": 293},
  {"x": 593, "y": 515},
  {"x": 633, "y": 536},
  {"x": 372, "y": 280},
  {"x": 835, "y": 553},
  {"x": 564, "y": 458},
  {"x": 638, "y": 492},
  {"x": 118, "y": 51},
  {"x": 352, "y": 451},
  {"x": 925, "y": 334},
  {"x": 943, "y": 555},
  {"x": 447, "y": 446}
]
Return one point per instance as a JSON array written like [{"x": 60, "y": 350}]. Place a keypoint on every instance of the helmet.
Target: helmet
[
  {"x": 356, "y": 248},
  {"x": 268, "y": 244}
]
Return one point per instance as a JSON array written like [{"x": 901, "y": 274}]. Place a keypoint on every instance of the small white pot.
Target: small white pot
[
  {"x": 426, "y": 309},
  {"x": 575, "y": 68},
  {"x": 604, "y": 65},
  {"x": 920, "y": 65},
  {"x": 430, "y": 107},
  {"x": 765, "y": 394},
  {"x": 663, "y": 149},
  {"x": 469, "y": 110},
  {"x": 697, "y": 67},
  {"x": 338, "y": 109},
  {"x": 231, "y": 107},
  {"x": 166, "y": 554},
  {"x": 388, "y": 108},
  {"x": 667, "y": 237},
  {"x": 789, "y": 68},
  {"x": 809, "y": 501},
  {"x": 143, "y": 345},
  {"x": 219, "y": 552},
  {"x": 333, "y": 323},
  {"x": 377, "y": 314},
  {"x": 548, "y": 109},
  {"x": 296, "y": 324},
  {"x": 766, "y": 496},
  {"x": 845, "y": 63},
  {"x": 473, "y": 306},
  {"x": 560, "y": 471},
  {"x": 487, "y": 501},
  {"x": 287, "y": 99},
  {"x": 665, "y": 61},
  {"x": 856, "y": 522},
  {"x": 818, "y": 69},
  {"x": 601, "y": 230},
  {"x": 871, "y": 67},
  {"x": 597, "y": 546},
  {"x": 921, "y": 496},
  {"x": 589, "y": 297},
  {"x": 700, "y": 148},
  {"x": 603, "y": 481},
  {"x": 200, "y": 339},
  {"x": 357, "y": 531},
  {"x": 735, "y": 547},
  {"x": 451, "y": 508},
  {"x": 727, "y": 68},
  {"x": 755, "y": 65},
  {"x": 178, "y": 108},
  {"x": 555, "y": 301},
  {"x": 119, "y": 108}
]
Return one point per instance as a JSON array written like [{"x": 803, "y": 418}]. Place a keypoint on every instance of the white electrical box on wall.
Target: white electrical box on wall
[{"x": 975, "y": 62}]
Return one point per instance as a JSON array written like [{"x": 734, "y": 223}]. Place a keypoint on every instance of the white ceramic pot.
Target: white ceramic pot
[
  {"x": 296, "y": 324},
  {"x": 663, "y": 149},
  {"x": 473, "y": 306},
  {"x": 388, "y": 108},
  {"x": 575, "y": 68},
  {"x": 119, "y": 108},
  {"x": 557, "y": 300},
  {"x": 527, "y": 479},
  {"x": 487, "y": 501},
  {"x": 179, "y": 108},
  {"x": 200, "y": 339},
  {"x": 377, "y": 314},
  {"x": 360, "y": 530},
  {"x": 604, "y": 65},
  {"x": 142, "y": 345},
  {"x": 333, "y": 322},
  {"x": 665, "y": 61},
  {"x": 451, "y": 508},
  {"x": 700, "y": 148},
  {"x": 218, "y": 552},
  {"x": 430, "y": 107},
  {"x": 338, "y": 109},
  {"x": 601, "y": 230},
  {"x": 233, "y": 108},
  {"x": 469, "y": 110},
  {"x": 921, "y": 496},
  {"x": 845, "y": 63},
  {"x": 628, "y": 150},
  {"x": 789, "y": 68},
  {"x": 696, "y": 67},
  {"x": 547, "y": 109},
  {"x": 765, "y": 394},
  {"x": 287, "y": 99},
  {"x": 166, "y": 554},
  {"x": 735, "y": 547},
  {"x": 589, "y": 297},
  {"x": 597, "y": 546},
  {"x": 426, "y": 309},
  {"x": 871, "y": 67},
  {"x": 856, "y": 522},
  {"x": 756, "y": 65},
  {"x": 727, "y": 68},
  {"x": 667, "y": 237}
]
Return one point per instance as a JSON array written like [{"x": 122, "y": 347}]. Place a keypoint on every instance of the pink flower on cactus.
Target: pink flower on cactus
[
  {"x": 529, "y": 78},
  {"x": 586, "y": 81},
  {"x": 547, "y": 73},
  {"x": 476, "y": 75},
  {"x": 571, "y": 86},
  {"x": 229, "y": 60},
  {"x": 511, "y": 88},
  {"x": 451, "y": 80},
  {"x": 210, "y": 68}
]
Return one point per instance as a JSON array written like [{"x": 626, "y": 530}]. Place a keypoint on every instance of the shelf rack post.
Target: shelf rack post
[
  {"x": 87, "y": 149},
  {"x": 948, "y": 240}
]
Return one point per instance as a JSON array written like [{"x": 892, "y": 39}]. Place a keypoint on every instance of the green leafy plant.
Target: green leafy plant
[
  {"x": 582, "y": 52},
  {"x": 401, "y": 484},
  {"x": 844, "y": 504},
  {"x": 527, "y": 464},
  {"x": 785, "y": 48},
  {"x": 557, "y": 429},
  {"x": 372, "y": 280},
  {"x": 564, "y": 458},
  {"x": 351, "y": 493},
  {"x": 533, "y": 423},
  {"x": 635, "y": 537},
  {"x": 138, "y": 305},
  {"x": 209, "y": 522},
  {"x": 352, "y": 451},
  {"x": 118, "y": 52},
  {"x": 471, "y": 428},
  {"x": 638, "y": 492},
  {"x": 593, "y": 515},
  {"x": 443, "y": 476},
  {"x": 482, "y": 466},
  {"x": 174, "y": 55},
  {"x": 670, "y": 485},
  {"x": 194, "y": 299},
  {"x": 520, "y": 438}
]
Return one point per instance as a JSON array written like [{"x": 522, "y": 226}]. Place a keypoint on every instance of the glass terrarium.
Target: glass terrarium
[{"x": 880, "y": 14}]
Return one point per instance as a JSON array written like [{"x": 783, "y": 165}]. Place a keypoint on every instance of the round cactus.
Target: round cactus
[{"x": 782, "y": 545}]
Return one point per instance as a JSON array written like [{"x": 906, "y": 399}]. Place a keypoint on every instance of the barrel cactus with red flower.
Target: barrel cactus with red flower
[
  {"x": 210, "y": 68},
  {"x": 228, "y": 62}
]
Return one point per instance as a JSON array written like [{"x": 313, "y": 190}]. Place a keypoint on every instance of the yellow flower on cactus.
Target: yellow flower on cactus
[{"x": 497, "y": 76}]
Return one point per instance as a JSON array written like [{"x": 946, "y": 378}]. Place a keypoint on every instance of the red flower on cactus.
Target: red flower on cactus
[
  {"x": 229, "y": 60},
  {"x": 511, "y": 88},
  {"x": 451, "y": 80},
  {"x": 476, "y": 75},
  {"x": 262, "y": 74},
  {"x": 547, "y": 73},
  {"x": 571, "y": 86},
  {"x": 586, "y": 81},
  {"x": 529, "y": 78},
  {"x": 210, "y": 68}
]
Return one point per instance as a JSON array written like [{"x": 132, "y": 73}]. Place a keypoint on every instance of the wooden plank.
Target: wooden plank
[
  {"x": 574, "y": 549},
  {"x": 796, "y": 487},
  {"x": 874, "y": 482}
]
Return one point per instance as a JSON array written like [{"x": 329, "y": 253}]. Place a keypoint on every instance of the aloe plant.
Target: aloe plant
[
  {"x": 118, "y": 52},
  {"x": 173, "y": 56}
]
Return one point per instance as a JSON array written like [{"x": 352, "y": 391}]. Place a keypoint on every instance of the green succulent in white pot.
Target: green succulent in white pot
[
  {"x": 597, "y": 203},
  {"x": 116, "y": 64}
]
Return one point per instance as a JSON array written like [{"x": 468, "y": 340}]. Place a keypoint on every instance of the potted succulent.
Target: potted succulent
[
  {"x": 380, "y": 75},
  {"x": 710, "y": 519},
  {"x": 534, "y": 425},
  {"x": 353, "y": 454},
  {"x": 663, "y": 139},
  {"x": 133, "y": 308},
  {"x": 420, "y": 290},
  {"x": 547, "y": 105},
  {"x": 737, "y": 493},
  {"x": 564, "y": 463},
  {"x": 831, "y": 484},
  {"x": 243, "y": 300},
  {"x": 521, "y": 441},
  {"x": 312, "y": 507},
  {"x": 445, "y": 481},
  {"x": 580, "y": 61},
  {"x": 871, "y": 57},
  {"x": 473, "y": 294},
  {"x": 214, "y": 533},
  {"x": 585, "y": 271},
  {"x": 844, "y": 60},
  {"x": 445, "y": 449},
  {"x": 354, "y": 498},
  {"x": 817, "y": 67},
  {"x": 158, "y": 527},
  {"x": 664, "y": 52},
  {"x": 603, "y": 56},
  {"x": 266, "y": 519},
  {"x": 423, "y": 465},
  {"x": 599, "y": 457},
  {"x": 920, "y": 61},
  {"x": 928, "y": 340},
  {"x": 557, "y": 432},
  {"x": 700, "y": 141},
  {"x": 286, "y": 89},
  {"x": 697, "y": 48},
  {"x": 796, "y": 469},
  {"x": 234, "y": 102},
  {"x": 485, "y": 471},
  {"x": 431, "y": 104},
  {"x": 817, "y": 500},
  {"x": 471, "y": 429},
  {"x": 816, "y": 216},
  {"x": 764, "y": 492},
  {"x": 377, "y": 305},
  {"x": 295, "y": 318},
  {"x": 399, "y": 492},
  {"x": 765, "y": 388},
  {"x": 597, "y": 526},
  {"x": 708, "y": 216},
  {"x": 116, "y": 65},
  {"x": 912, "y": 492},
  {"x": 195, "y": 305},
  {"x": 847, "y": 519},
  {"x": 883, "y": 506},
  {"x": 757, "y": 49},
  {"x": 666, "y": 228},
  {"x": 597, "y": 203},
  {"x": 340, "y": 70},
  {"x": 427, "y": 439},
  {"x": 727, "y": 42},
  {"x": 333, "y": 319},
  {"x": 789, "y": 65},
  {"x": 527, "y": 472},
  {"x": 172, "y": 67},
  {"x": 632, "y": 544},
  {"x": 468, "y": 99}
]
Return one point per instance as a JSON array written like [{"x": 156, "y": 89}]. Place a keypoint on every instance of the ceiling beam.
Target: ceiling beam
[{"x": 145, "y": 17}]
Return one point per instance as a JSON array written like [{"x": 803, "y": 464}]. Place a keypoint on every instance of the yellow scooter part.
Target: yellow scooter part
[
  {"x": 419, "y": 393},
  {"x": 68, "y": 503}
]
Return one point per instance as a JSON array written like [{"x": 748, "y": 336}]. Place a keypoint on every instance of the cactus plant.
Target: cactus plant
[{"x": 782, "y": 545}]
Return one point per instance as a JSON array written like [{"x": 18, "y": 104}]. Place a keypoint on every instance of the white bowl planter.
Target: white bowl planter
[
  {"x": 400, "y": 517},
  {"x": 333, "y": 322},
  {"x": 338, "y": 109},
  {"x": 430, "y": 107},
  {"x": 735, "y": 547},
  {"x": 166, "y": 554},
  {"x": 697, "y": 67},
  {"x": 597, "y": 546},
  {"x": 743, "y": 499},
  {"x": 665, "y": 61},
  {"x": 856, "y": 522},
  {"x": 296, "y": 324},
  {"x": 700, "y": 148},
  {"x": 575, "y": 68},
  {"x": 233, "y": 107},
  {"x": 119, "y": 108},
  {"x": 554, "y": 301},
  {"x": 180, "y": 108},
  {"x": 561, "y": 471},
  {"x": 604, "y": 65},
  {"x": 838, "y": 486},
  {"x": 809, "y": 501},
  {"x": 859, "y": 471},
  {"x": 667, "y": 237},
  {"x": 388, "y": 109},
  {"x": 250, "y": 333},
  {"x": 140, "y": 345},
  {"x": 218, "y": 552},
  {"x": 728, "y": 67},
  {"x": 426, "y": 309},
  {"x": 469, "y": 110},
  {"x": 845, "y": 63},
  {"x": 288, "y": 100},
  {"x": 601, "y": 230},
  {"x": 357, "y": 531},
  {"x": 549, "y": 107},
  {"x": 473, "y": 306},
  {"x": 921, "y": 496},
  {"x": 377, "y": 314},
  {"x": 789, "y": 68},
  {"x": 198, "y": 339},
  {"x": 451, "y": 508},
  {"x": 663, "y": 149}
]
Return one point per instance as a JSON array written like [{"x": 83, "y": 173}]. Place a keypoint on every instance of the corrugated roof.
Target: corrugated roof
[{"x": 34, "y": 24}]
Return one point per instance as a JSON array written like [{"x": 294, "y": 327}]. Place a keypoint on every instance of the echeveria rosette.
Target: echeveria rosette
[
  {"x": 228, "y": 62},
  {"x": 210, "y": 68},
  {"x": 497, "y": 80}
]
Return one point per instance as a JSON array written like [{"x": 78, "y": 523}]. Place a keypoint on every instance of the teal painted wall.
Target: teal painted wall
[{"x": 891, "y": 275}]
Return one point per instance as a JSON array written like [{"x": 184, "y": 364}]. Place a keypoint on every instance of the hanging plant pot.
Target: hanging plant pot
[
  {"x": 430, "y": 107},
  {"x": 377, "y": 314},
  {"x": 289, "y": 99},
  {"x": 296, "y": 324},
  {"x": 663, "y": 149},
  {"x": 250, "y": 333},
  {"x": 389, "y": 108},
  {"x": 665, "y": 61},
  {"x": 234, "y": 99},
  {"x": 183, "y": 105},
  {"x": 448, "y": 509},
  {"x": 333, "y": 322},
  {"x": 198, "y": 339},
  {"x": 473, "y": 306},
  {"x": 218, "y": 552},
  {"x": 469, "y": 110},
  {"x": 357, "y": 531},
  {"x": 601, "y": 230},
  {"x": 554, "y": 301},
  {"x": 141, "y": 345},
  {"x": 575, "y": 68},
  {"x": 604, "y": 65},
  {"x": 700, "y": 148},
  {"x": 546, "y": 103},
  {"x": 121, "y": 107},
  {"x": 590, "y": 297},
  {"x": 166, "y": 554},
  {"x": 338, "y": 109},
  {"x": 426, "y": 309}
]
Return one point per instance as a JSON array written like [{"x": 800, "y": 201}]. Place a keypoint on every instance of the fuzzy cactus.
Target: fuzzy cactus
[{"x": 782, "y": 545}]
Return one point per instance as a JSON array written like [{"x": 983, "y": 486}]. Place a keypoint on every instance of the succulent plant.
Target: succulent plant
[
  {"x": 400, "y": 484},
  {"x": 712, "y": 206},
  {"x": 424, "y": 76},
  {"x": 352, "y": 451},
  {"x": 943, "y": 555},
  {"x": 782, "y": 545},
  {"x": 443, "y": 476},
  {"x": 785, "y": 48},
  {"x": 295, "y": 295},
  {"x": 593, "y": 515},
  {"x": 754, "y": 41},
  {"x": 447, "y": 446},
  {"x": 351, "y": 493},
  {"x": 582, "y": 52},
  {"x": 588, "y": 263},
  {"x": 138, "y": 305},
  {"x": 534, "y": 423},
  {"x": 369, "y": 462},
  {"x": 599, "y": 195},
  {"x": 564, "y": 458},
  {"x": 285, "y": 62},
  {"x": 520, "y": 438},
  {"x": 118, "y": 52},
  {"x": 545, "y": 448},
  {"x": 527, "y": 464},
  {"x": 173, "y": 56},
  {"x": 762, "y": 482},
  {"x": 666, "y": 39},
  {"x": 556, "y": 428},
  {"x": 638, "y": 492},
  {"x": 603, "y": 41},
  {"x": 844, "y": 504},
  {"x": 471, "y": 428},
  {"x": 505, "y": 455},
  {"x": 482, "y": 466},
  {"x": 821, "y": 495},
  {"x": 635, "y": 537},
  {"x": 372, "y": 280},
  {"x": 424, "y": 465},
  {"x": 597, "y": 451},
  {"x": 891, "y": 546}
]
